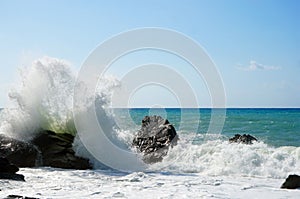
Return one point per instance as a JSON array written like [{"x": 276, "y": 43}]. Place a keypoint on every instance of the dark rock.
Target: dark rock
[
  {"x": 56, "y": 151},
  {"x": 46, "y": 149},
  {"x": 154, "y": 138},
  {"x": 245, "y": 139},
  {"x": 292, "y": 182},
  {"x": 8, "y": 170},
  {"x": 7, "y": 167},
  {"x": 20, "y": 153},
  {"x": 18, "y": 197},
  {"x": 12, "y": 176}
]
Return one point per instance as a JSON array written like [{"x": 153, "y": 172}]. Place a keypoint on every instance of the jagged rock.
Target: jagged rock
[
  {"x": 56, "y": 151},
  {"x": 245, "y": 139},
  {"x": 20, "y": 153},
  {"x": 292, "y": 182},
  {"x": 8, "y": 170},
  {"x": 154, "y": 138}
]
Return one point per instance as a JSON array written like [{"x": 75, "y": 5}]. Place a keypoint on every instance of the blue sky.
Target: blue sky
[{"x": 255, "y": 44}]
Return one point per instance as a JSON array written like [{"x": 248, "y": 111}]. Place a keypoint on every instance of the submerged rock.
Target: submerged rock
[
  {"x": 154, "y": 138},
  {"x": 292, "y": 182},
  {"x": 244, "y": 139},
  {"x": 46, "y": 149},
  {"x": 8, "y": 170}
]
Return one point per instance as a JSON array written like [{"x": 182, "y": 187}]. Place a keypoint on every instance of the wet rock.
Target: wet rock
[
  {"x": 244, "y": 139},
  {"x": 56, "y": 151},
  {"x": 292, "y": 182},
  {"x": 20, "y": 153},
  {"x": 154, "y": 138},
  {"x": 46, "y": 149},
  {"x": 8, "y": 170}
]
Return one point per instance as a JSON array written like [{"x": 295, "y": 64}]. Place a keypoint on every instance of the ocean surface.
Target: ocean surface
[
  {"x": 202, "y": 165},
  {"x": 274, "y": 126}
]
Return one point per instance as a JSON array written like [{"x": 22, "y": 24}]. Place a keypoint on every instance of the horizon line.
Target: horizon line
[
  {"x": 175, "y": 107},
  {"x": 137, "y": 107}
]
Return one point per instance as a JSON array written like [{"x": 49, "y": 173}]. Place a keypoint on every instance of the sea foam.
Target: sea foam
[{"x": 219, "y": 157}]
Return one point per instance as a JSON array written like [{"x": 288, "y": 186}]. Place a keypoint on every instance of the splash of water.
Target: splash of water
[
  {"x": 44, "y": 97},
  {"x": 43, "y": 100}
]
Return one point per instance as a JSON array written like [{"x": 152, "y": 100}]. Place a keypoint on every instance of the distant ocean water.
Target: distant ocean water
[{"x": 274, "y": 126}]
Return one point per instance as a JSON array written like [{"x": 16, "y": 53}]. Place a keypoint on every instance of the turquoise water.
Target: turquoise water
[{"x": 276, "y": 126}]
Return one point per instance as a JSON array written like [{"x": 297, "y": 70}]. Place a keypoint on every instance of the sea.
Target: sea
[{"x": 203, "y": 164}]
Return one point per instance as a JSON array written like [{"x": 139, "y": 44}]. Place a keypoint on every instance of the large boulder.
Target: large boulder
[
  {"x": 8, "y": 170},
  {"x": 154, "y": 138},
  {"x": 56, "y": 151},
  {"x": 244, "y": 139},
  {"x": 20, "y": 153},
  {"x": 292, "y": 182}
]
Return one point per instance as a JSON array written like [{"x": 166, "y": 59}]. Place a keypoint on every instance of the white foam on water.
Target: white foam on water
[
  {"x": 59, "y": 183},
  {"x": 218, "y": 157}
]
